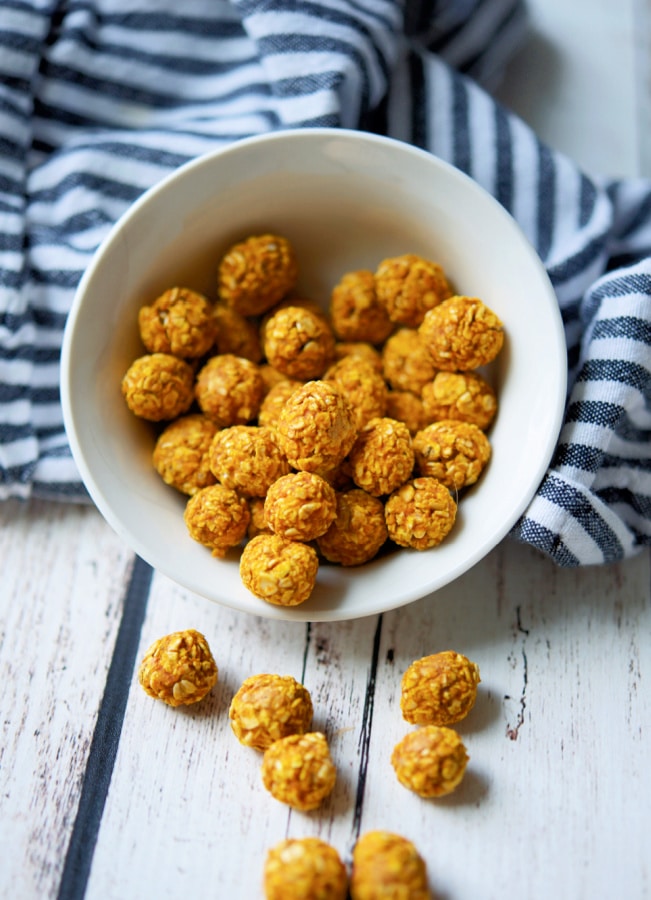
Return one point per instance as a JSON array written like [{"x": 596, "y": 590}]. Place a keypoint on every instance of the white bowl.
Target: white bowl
[{"x": 346, "y": 200}]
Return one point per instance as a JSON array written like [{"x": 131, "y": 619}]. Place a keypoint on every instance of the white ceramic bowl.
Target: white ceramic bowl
[{"x": 346, "y": 200}]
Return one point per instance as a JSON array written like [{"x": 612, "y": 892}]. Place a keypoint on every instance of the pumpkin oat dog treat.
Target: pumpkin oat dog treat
[
  {"x": 382, "y": 457},
  {"x": 464, "y": 396},
  {"x": 217, "y": 517},
  {"x": 298, "y": 342},
  {"x": 180, "y": 322},
  {"x": 356, "y": 312},
  {"x": 439, "y": 689},
  {"x": 256, "y": 273},
  {"x": 247, "y": 459},
  {"x": 358, "y": 531},
  {"x": 298, "y": 770},
  {"x": 387, "y": 866},
  {"x": 275, "y": 399},
  {"x": 236, "y": 334},
  {"x": 178, "y": 669},
  {"x": 364, "y": 388},
  {"x": 158, "y": 386},
  {"x": 279, "y": 571},
  {"x": 257, "y": 525},
  {"x": 430, "y": 761},
  {"x": 304, "y": 869},
  {"x": 408, "y": 286},
  {"x": 359, "y": 348},
  {"x": 408, "y": 408},
  {"x": 269, "y": 707},
  {"x": 420, "y": 513},
  {"x": 300, "y": 506},
  {"x": 181, "y": 453},
  {"x": 229, "y": 390},
  {"x": 454, "y": 452},
  {"x": 407, "y": 364},
  {"x": 462, "y": 333}
]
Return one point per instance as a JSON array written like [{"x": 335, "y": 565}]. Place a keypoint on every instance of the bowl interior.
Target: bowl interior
[{"x": 346, "y": 201}]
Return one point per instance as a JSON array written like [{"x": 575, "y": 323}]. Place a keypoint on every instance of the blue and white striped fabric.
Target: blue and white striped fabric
[{"x": 100, "y": 99}]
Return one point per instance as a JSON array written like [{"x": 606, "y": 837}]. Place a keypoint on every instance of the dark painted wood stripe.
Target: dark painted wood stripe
[{"x": 365, "y": 733}]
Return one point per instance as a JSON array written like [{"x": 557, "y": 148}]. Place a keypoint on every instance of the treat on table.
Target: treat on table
[
  {"x": 439, "y": 689},
  {"x": 268, "y": 707},
  {"x": 180, "y": 322},
  {"x": 407, "y": 364},
  {"x": 316, "y": 428},
  {"x": 247, "y": 458},
  {"x": 217, "y": 517},
  {"x": 408, "y": 286},
  {"x": 462, "y": 333},
  {"x": 456, "y": 453},
  {"x": 382, "y": 457},
  {"x": 181, "y": 453},
  {"x": 178, "y": 669},
  {"x": 362, "y": 386},
  {"x": 235, "y": 333},
  {"x": 387, "y": 865},
  {"x": 158, "y": 387},
  {"x": 358, "y": 531},
  {"x": 465, "y": 396},
  {"x": 356, "y": 312},
  {"x": 408, "y": 408},
  {"x": 256, "y": 273},
  {"x": 430, "y": 761},
  {"x": 305, "y": 869},
  {"x": 359, "y": 348},
  {"x": 420, "y": 513},
  {"x": 275, "y": 400},
  {"x": 277, "y": 570},
  {"x": 300, "y": 506},
  {"x": 298, "y": 342},
  {"x": 298, "y": 770},
  {"x": 229, "y": 390},
  {"x": 257, "y": 525}
]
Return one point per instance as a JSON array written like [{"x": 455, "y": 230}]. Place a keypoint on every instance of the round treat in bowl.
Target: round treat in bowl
[{"x": 344, "y": 201}]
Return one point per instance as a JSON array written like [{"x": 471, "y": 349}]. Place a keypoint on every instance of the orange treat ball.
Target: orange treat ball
[
  {"x": 408, "y": 286},
  {"x": 298, "y": 770},
  {"x": 387, "y": 866},
  {"x": 247, "y": 459},
  {"x": 229, "y": 390},
  {"x": 180, "y": 322},
  {"x": 279, "y": 571},
  {"x": 298, "y": 342},
  {"x": 275, "y": 399},
  {"x": 358, "y": 531},
  {"x": 269, "y": 707},
  {"x": 305, "y": 868},
  {"x": 439, "y": 689},
  {"x": 356, "y": 313},
  {"x": 300, "y": 506},
  {"x": 462, "y": 333},
  {"x": 454, "y": 452},
  {"x": 465, "y": 396},
  {"x": 270, "y": 376},
  {"x": 217, "y": 517},
  {"x": 257, "y": 525},
  {"x": 178, "y": 669},
  {"x": 316, "y": 428},
  {"x": 256, "y": 273},
  {"x": 359, "y": 348},
  {"x": 420, "y": 513},
  {"x": 181, "y": 453},
  {"x": 236, "y": 334},
  {"x": 406, "y": 362},
  {"x": 382, "y": 457},
  {"x": 408, "y": 408},
  {"x": 158, "y": 386},
  {"x": 430, "y": 761},
  {"x": 363, "y": 387}
]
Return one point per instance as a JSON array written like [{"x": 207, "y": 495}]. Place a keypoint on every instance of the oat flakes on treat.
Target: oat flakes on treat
[
  {"x": 462, "y": 333},
  {"x": 181, "y": 453},
  {"x": 407, "y": 364},
  {"x": 387, "y": 866},
  {"x": 300, "y": 506},
  {"x": 304, "y": 869},
  {"x": 382, "y": 457},
  {"x": 298, "y": 342},
  {"x": 408, "y": 408},
  {"x": 256, "y": 273},
  {"x": 268, "y": 707},
  {"x": 430, "y": 761},
  {"x": 158, "y": 387},
  {"x": 229, "y": 390},
  {"x": 247, "y": 458},
  {"x": 235, "y": 333},
  {"x": 456, "y": 453},
  {"x": 359, "y": 348},
  {"x": 356, "y": 312},
  {"x": 358, "y": 531},
  {"x": 439, "y": 689},
  {"x": 408, "y": 286},
  {"x": 275, "y": 400},
  {"x": 420, "y": 513},
  {"x": 364, "y": 388},
  {"x": 465, "y": 396},
  {"x": 316, "y": 428},
  {"x": 178, "y": 669},
  {"x": 217, "y": 517},
  {"x": 277, "y": 570},
  {"x": 298, "y": 770}
]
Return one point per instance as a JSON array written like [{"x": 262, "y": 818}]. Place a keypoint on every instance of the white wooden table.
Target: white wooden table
[{"x": 105, "y": 793}]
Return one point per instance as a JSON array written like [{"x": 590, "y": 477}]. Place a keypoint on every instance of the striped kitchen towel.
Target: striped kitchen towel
[{"x": 100, "y": 99}]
